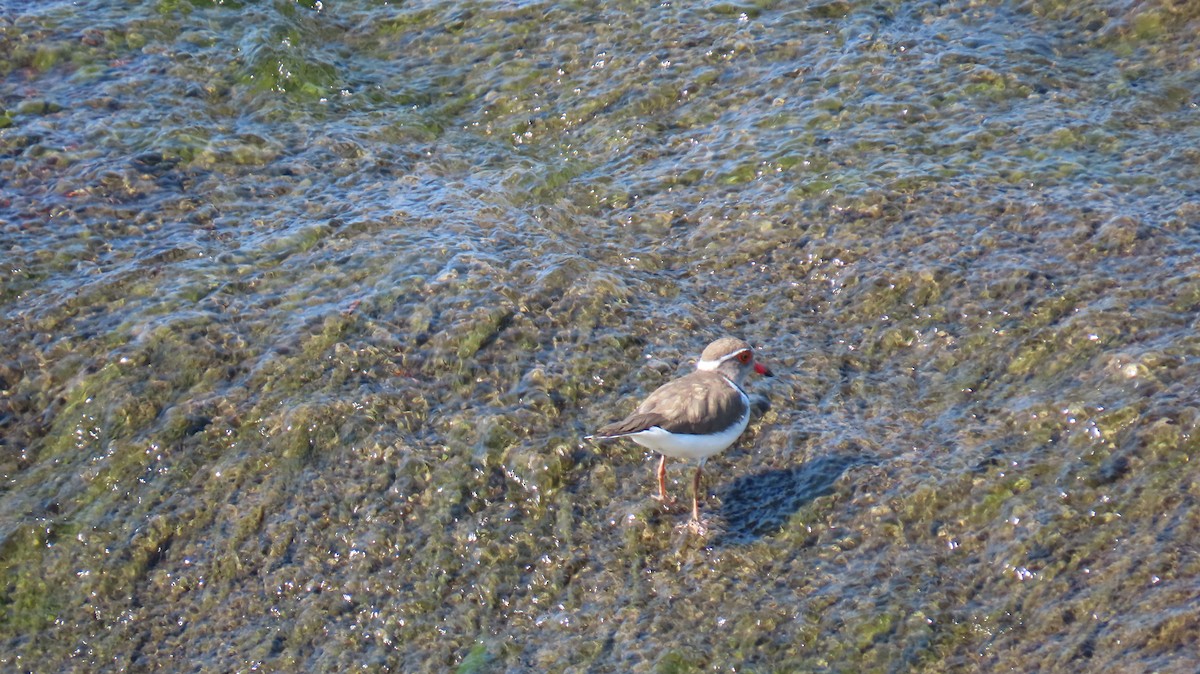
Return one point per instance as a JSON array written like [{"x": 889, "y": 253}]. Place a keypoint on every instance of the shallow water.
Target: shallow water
[{"x": 308, "y": 307}]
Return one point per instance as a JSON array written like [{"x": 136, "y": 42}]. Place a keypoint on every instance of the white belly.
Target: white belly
[{"x": 683, "y": 446}]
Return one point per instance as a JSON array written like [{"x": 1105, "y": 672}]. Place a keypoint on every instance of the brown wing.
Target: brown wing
[
  {"x": 699, "y": 403},
  {"x": 634, "y": 423}
]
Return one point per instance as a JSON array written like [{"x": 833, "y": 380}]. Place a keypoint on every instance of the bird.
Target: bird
[{"x": 695, "y": 416}]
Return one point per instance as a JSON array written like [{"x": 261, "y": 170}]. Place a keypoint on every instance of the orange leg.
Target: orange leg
[
  {"x": 662, "y": 482},
  {"x": 696, "y": 494}
]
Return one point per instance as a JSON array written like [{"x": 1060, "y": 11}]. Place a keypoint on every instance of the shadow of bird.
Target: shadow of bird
[{"x": 758, "y": 505}]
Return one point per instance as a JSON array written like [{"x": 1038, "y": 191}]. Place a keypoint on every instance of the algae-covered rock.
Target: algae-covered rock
[{"x": 309, "y": 307}]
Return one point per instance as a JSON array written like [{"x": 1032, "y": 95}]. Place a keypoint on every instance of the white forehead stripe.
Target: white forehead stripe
[{"x": 708, "y": 365}]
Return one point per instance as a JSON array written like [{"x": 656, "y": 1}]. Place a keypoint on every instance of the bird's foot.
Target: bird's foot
[{"x": 667, "y": 501}]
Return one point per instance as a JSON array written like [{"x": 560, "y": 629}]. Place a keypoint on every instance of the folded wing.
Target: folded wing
[{"x": 697, "y": 404}]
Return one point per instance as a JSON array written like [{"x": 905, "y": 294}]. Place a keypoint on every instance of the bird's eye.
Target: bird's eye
[{"x": 744, "y": 357}]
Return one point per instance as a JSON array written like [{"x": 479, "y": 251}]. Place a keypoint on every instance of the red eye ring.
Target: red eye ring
[{"x": 745, "y": 357}]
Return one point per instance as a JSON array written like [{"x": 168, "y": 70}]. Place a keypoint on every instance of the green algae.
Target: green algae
[
  {"x": 482, "y": 331},
  {"x": 674, "y": 662},
  {"x": 348, "y": 411},
  {"x": 476, "y": 661},
  {"x": 31, "y": 600}
]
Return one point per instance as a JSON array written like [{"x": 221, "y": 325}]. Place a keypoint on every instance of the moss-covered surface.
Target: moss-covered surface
[{"x": 307, "y": 308}]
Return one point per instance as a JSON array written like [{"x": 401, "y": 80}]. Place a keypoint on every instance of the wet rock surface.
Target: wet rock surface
[{"x": 308, "y": 307}]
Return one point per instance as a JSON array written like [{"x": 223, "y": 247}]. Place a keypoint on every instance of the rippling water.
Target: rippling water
[{"x": 307, "y": 307}]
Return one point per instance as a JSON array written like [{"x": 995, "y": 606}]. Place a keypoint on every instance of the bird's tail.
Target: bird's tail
[{"x": 634, "y": 423}]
